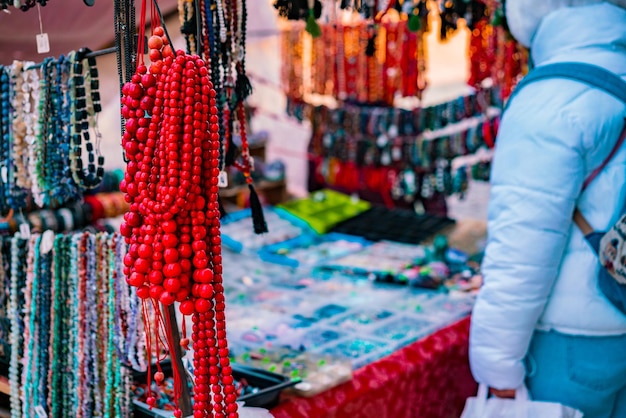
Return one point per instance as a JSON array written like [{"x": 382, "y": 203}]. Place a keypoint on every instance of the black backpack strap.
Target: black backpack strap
[{"x": 590, "y": 74}]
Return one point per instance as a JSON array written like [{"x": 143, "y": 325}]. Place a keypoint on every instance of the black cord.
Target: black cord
[{"x": 196, "y": 5}]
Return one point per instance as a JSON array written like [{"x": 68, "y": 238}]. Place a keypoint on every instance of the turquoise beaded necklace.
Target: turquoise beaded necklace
[
  {"x": 17, "y": 255},
  {"x": 32, "y": 343}
]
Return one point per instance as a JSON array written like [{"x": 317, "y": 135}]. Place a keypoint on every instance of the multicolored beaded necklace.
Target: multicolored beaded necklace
[{"x": 74, "y": 321}]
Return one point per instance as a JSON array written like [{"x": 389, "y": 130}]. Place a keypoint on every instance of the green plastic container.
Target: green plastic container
[{"x": 326, "y": 208}]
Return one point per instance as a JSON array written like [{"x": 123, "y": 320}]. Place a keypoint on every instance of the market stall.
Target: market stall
[{"x": 184, "y": 278}]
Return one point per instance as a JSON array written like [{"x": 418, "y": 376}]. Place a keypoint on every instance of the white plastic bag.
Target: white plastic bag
[
  {"x": 252, "y": 412},
  {"x": 520, "y": 407}
]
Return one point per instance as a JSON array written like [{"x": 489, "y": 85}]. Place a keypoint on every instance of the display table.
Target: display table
[{"x": 427, "y": 379}]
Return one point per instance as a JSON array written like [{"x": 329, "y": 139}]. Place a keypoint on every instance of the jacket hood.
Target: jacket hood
[{"x": 524, "y": 16}]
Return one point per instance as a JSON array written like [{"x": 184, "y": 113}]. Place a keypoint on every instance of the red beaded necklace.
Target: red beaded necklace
[{"x": 173, "y": 228}]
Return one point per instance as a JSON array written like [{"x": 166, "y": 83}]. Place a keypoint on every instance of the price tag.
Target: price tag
[
  {"x": 222, "y": 179},
  {"x": 47, "y": 242},
  {"x": 25, "y": 230},
  {"x": 41, "y": 413},
  {"x": 43, "y": 43}
]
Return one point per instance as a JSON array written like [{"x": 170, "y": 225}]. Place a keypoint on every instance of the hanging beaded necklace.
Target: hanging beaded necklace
[
  {"x": 5, "y": 140},
  {"x": 21, "y": 106},
  {"x": 85, "y": 106},
  {"x": 43, "y": 319},
  {"x": 35, "y": 140},
  {"x": 31, "y": 342},
  {"x": 16, "y": 302},
  {"x": 64, "y": 189},
  {"x": 172, "y": 144},
  {"x": 58, "y": 312}
]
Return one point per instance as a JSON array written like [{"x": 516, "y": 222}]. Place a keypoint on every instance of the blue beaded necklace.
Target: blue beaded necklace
[
  {"x": 61, "y": 185},
  {"x": 43, "y": 320},
  {"x": 5, "y": 137},
  {"x": 16, "y": 303}
]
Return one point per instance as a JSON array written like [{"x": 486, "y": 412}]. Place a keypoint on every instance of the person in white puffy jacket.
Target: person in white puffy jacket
[{"x": 540, "y": 318}]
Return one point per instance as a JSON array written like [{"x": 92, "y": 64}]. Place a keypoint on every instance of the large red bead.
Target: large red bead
[
  {"x": 187, "y": 307},
  {"x": 206, "y": 291},
  {"x": 169, "y": 240},
  {"x": 142, "y": 265},
  {"x": 135, "y": 90},
  {"x": 155, "y": 277},
  {"x": 167, "y": 298},
  {"x": 171, "y": 285},
  {"x": 143, "y": 292},
  {"x": 156, "y": 291},
  {"x": 202, "y": 305},
  {"x": 204, "y": 276},
  {"x": 136, "y": 279},
  {"x": 170, "y": 255},
  {"x": 172, "y": 270}
]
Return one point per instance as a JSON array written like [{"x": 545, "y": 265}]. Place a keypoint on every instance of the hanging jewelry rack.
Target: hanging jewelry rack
[{"x": 93, "y": 54}]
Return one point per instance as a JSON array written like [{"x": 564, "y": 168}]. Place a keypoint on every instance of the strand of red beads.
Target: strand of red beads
[{"x": 172, "y": 227}]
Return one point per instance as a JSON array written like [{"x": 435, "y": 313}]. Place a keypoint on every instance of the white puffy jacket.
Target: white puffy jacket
[{"x": 539, "y": 272}]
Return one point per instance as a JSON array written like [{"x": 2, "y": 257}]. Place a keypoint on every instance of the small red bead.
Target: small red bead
[{"x": 159, "y": 377}]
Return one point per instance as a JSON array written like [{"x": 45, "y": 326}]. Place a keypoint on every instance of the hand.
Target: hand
[{"x": 503, "y": 393}]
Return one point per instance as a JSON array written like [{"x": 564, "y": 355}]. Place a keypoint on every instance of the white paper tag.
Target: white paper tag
[
  {"x": 25, "y": 230},
  {"x": 41, "y": 413},
  {"x": 47, "y": 241},
  {"x": 222, "y": 179},
  {"x": 43, "y": 43},
  {"x": 4, "y": 173}
]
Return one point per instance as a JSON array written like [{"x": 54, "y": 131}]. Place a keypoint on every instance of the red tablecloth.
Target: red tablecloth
[{"x": 427, "y": 379}]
